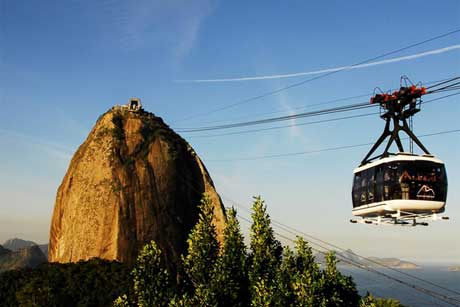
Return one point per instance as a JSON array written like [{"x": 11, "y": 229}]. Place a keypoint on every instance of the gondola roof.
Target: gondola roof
[{"x": 402, "y": 156}]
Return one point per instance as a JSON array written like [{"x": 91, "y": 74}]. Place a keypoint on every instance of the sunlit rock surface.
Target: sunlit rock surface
[{"x": 133, "y": 180}]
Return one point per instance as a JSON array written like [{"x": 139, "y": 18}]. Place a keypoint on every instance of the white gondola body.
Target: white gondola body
[{"x": 423, "y": 189}]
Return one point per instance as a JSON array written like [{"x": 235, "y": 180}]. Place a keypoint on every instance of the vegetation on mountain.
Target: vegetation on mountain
[
  {"x": 92, "y": 283},
  {"x": 27, "y": 257},
  {"x": 4, "y": 251}
]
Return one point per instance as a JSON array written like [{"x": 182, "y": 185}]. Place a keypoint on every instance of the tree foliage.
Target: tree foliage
[
  {"x": 152, "y": 282},
  {"x": 203, "y": 251},
  {"x": 181, "y": 301},
  {"x": 305, "y": 281},
  {"x": 87, "y": 283},
  {"x": 265, "y": 254},
  {"x": 231, "y": 268},
  {"x": 264, "y": 258},
  {"x": 337, "y": 289},
  {"x": 370, "y": 301},
  {"x": 210, "y": 275},
  {"x": 121, "y": 301}
]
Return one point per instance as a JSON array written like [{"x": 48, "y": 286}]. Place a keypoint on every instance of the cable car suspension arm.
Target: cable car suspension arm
[{"x": 396, "y": 108}]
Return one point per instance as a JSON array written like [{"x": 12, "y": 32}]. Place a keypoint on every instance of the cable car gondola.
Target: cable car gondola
[{"x": 401, "y": 188}]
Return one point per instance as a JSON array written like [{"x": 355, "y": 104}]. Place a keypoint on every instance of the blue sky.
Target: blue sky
[{"x": 63, "y": 63}]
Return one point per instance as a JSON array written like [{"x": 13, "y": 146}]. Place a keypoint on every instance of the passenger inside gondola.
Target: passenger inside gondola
[{"x": 404, "y": 181}]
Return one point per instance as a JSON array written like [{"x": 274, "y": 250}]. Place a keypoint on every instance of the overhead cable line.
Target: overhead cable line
[
  {"x": 440, "y": 98},
  {"x": 278, "y": 90},
  {"x": 318, "y": 150},
  {"x": 418, "y": 288},
  {"x": 446, "y": 87},
  {"x": 359, "y": 264},
  {"x": 449, "y": 89},
  {"x": 314, "y": 122},
  {"x": 352, "y": 107},
  {"x": 308, "y": 106},
  {"x": 294, "y": 231},
  {"x": 311, "y": 239},
  {"x": 434, "y": 294},
  {"x": 282, "y": 127},
  {"x": 445, "y": 81},
  {"x": 431, "y": 293}
]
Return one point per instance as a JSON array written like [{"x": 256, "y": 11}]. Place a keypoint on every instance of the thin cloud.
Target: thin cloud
[
  {"x": 314, "y": 72},
  {"x": 283, "y": 101},
  {"x": 190, "y": 25},
  {"x": 50, "y": 148},
  {"x": 174, "y": 25}
]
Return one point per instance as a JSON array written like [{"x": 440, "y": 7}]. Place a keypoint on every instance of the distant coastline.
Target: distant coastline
[
  {"x": 348, "y": 258},
  {"x": 454, "y": 268},
  {"x": 395, "y": 263}
]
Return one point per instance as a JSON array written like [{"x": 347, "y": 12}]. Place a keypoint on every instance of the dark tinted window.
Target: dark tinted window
[
  {"x": 356, "y": 189},
  {"x": 417, "y": 180},
  {"x": 364, "y": 186}
]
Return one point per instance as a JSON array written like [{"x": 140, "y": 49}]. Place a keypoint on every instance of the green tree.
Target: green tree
[
  {"x": 231, "y": 271},
  {"x": 264, "y": 258},
  {"x": 181, "y": 301},
  {"x": 337, "y": 290},
  {"x": 10, "y": 283},
  {"x": 203, "y": 252},
  {"x": 121, "y": 301},
  {"x": 35, "y": 293},
  {"x": 94, "y": 282},
  {"x": 264, "y": 294},
  {"x": 285, "y": 277},
  {"x": 306, "y": 276},
  {"x": 152, "y": 282},
  {"x": 370, "y": 301}
]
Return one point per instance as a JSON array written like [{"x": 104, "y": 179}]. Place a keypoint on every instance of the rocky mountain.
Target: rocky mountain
[
  {"x": 17, "y": 244},
  {"x": 395, "y": 263},
  {"x": 348, "y": 257},
  {"x": 26, "y": 257},
  {"x": 132, "y": 180},
  {"x": 44, "y": 249}
]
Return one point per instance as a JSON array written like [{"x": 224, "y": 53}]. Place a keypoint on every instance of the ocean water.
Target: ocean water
[{"x": 382, "y": 287}]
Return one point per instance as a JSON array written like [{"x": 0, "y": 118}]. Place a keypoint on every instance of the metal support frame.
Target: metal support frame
[
  {"x": 408, "y": 219},
  {"x": 396, "y": 111}
]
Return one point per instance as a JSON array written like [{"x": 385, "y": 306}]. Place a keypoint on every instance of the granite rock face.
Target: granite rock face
[
  {"x": 133, "y": 180},
  {"x": 17, "y": 244}
]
